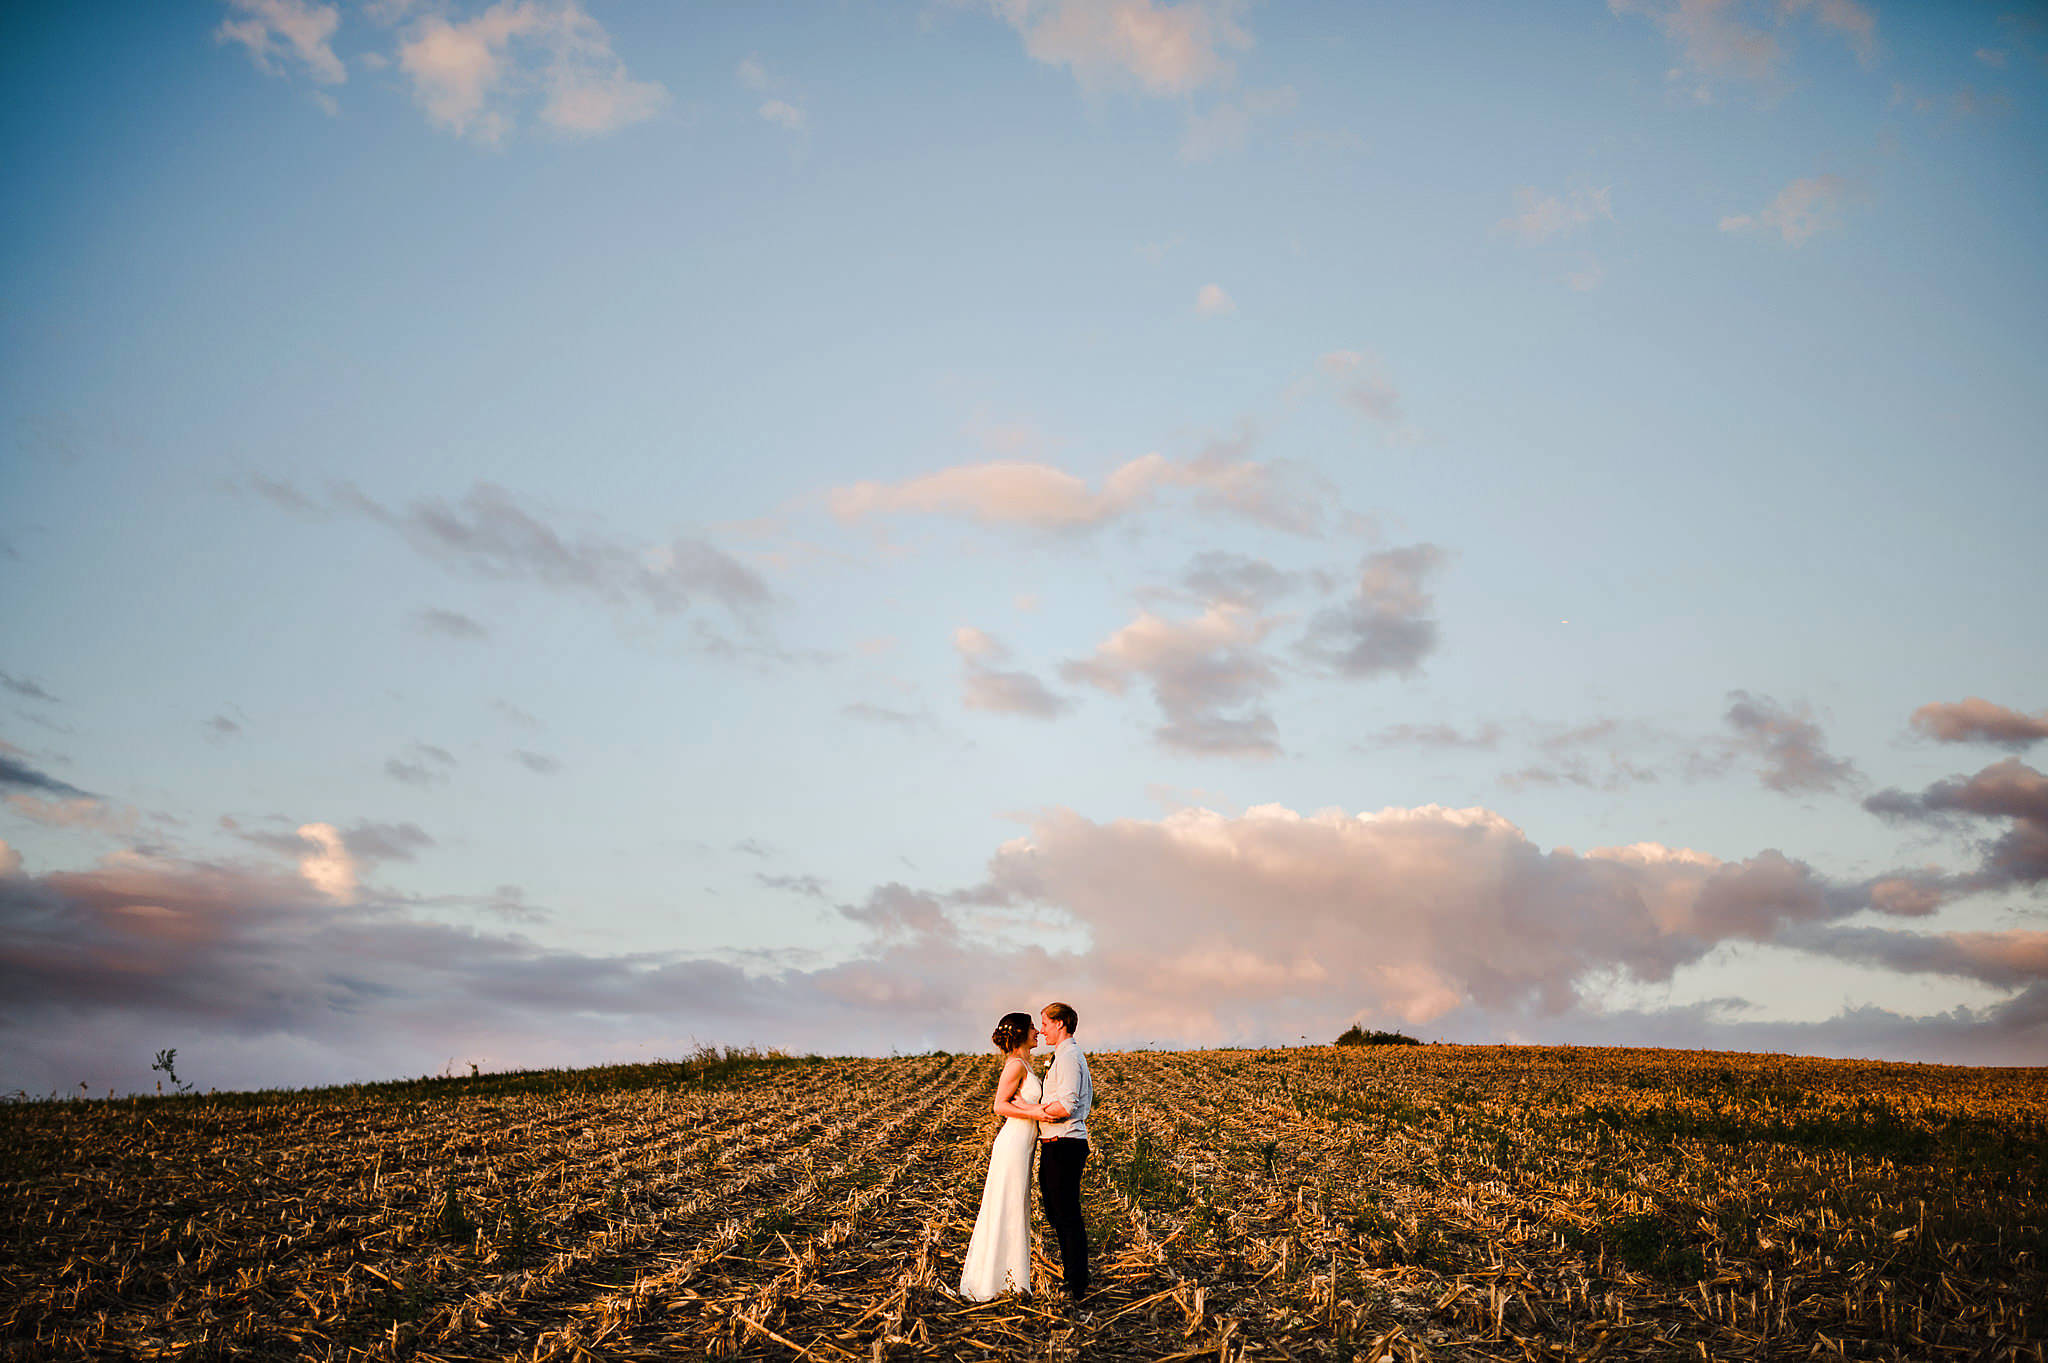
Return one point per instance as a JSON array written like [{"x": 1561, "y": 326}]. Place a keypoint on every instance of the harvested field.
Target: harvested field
[{"x": 1374, "y": 1203}]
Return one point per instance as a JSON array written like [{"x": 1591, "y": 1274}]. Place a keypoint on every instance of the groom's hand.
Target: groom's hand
[{"x": 1059, "y": 1112}]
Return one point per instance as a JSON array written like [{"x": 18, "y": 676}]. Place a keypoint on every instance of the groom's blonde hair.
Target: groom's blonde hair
[{"x": 1063, "y": 1015}]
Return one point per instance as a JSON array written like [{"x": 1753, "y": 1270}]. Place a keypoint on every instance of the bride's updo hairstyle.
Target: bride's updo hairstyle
[{"x": 1013, "y": 1031}]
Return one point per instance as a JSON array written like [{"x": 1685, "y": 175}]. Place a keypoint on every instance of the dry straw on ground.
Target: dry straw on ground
[{"x": 1380, "y": 1203}]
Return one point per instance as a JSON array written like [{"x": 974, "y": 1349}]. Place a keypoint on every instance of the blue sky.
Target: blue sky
[{"x": 554, "y": 529}]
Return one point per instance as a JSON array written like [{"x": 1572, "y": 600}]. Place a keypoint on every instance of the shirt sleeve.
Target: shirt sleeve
[{"x": 1063, "y": 1084}]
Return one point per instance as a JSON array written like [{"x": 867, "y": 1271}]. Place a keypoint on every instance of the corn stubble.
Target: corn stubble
[{"x": 1384, "y": 1203}]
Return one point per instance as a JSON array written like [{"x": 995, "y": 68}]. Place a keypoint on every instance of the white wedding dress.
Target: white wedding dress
[{"x": 999, "y": 1254}]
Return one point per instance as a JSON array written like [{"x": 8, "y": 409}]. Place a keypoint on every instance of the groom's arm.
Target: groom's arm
[{"x": 1062, "y": 1088}]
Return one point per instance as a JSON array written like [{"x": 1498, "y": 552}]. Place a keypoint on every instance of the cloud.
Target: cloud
[
  {"x": 539, "y": 763},
  {"x": 1412, "y": 912},
  {"x": 2004, "y": 960},
  {"x": 1802, "y": 210},
  {"x": 449, "y": 624},
  {"x": 220, "y": 727},
  {"x": 10, "y": 860},
  {"x": 422, "y": 765},
  {"x": 1193, "y": 928},
  {"x": 1540, "y": 217},
  {"x": 468, "y": 75},
  {"x": 488, "y": 534},
  {"x": 331, "y": 859},
  {"x": 23, "y": 687},
  {"x": 1163, "y": 49},
  {"x": 984, "y": 685},
  {"x": 76, "y": 811},
  {"x": 1387, "y": 626},
  {"x": 1795, "y": 754},
  {"x": 809, "y": 886},
  {"x": 1724, "y": 39},
  {"x": 882, "y": 714},
  {"x": 1976, "y": 720},
  {"x": 1362, "y": 385},
  {"x": 1484, "y": 738},
  {"x": 1043, "y": 497},
  {"x": 783, "y": 113},
  {"x": 327, "y": 866},
  {"x": 275, "y": 31},
  {"x": 1227, "y": 125},
  {"x": 1856, "y": 24},
  {"x": 1212, "y": 301},
  {"x": 2008, "y": 790},
  {"x": 21, "y": 776},
  {"x": 1207, "y": 675},
  {"x": 751, "y": 73},
  {"x": 1239, "y": 579}
]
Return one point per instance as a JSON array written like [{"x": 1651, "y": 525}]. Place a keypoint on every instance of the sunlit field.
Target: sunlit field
[{"x": 1362, "y": 1203}]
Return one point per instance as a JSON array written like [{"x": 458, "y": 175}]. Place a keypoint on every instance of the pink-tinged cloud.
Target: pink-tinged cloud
[
  {"x": 1727, "y": 39},
  {"x": 1793, "y": 751},
  {"x": 1164, "y": 49},
  {"x": 1192, "y": 928},
  {"x": 1539, "y": 217},
  {"x": 2008, "y": 790},
  {"x": 468, "y": 74},
  {"x": 2009, "y": 960},
  {"x": 1411, "y": 912},
  {"x": 986, "y": 685},
  {"x": 1803, "y": 210},
  {"x": 76, "y": 811},
  {"x": 1976, "y": 720},
  {"x": 1362, "y": 384},
  {"x": 277, "y": 31},
  {"x": 1208, "y": 676},
  {"x": 1043, "y": 497}
]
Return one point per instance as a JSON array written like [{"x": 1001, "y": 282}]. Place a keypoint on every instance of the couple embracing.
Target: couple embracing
[{"x": 1051, "y": 1118}]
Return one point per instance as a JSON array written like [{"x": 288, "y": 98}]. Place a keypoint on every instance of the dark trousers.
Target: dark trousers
[{"x": 1059, "y": 1192}]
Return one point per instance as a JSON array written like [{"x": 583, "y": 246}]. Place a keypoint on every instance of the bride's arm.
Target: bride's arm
[{"x": 1006, "y": 1104}]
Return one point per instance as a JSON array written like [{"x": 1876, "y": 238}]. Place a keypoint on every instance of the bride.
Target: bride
[{"x": 999, "y": 1255}]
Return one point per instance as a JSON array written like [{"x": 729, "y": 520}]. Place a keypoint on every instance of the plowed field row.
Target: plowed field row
[{"x": 1385, "y": 1203}]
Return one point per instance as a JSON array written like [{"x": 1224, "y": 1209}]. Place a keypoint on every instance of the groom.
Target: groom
[{"x": 1063, "y": 1148}]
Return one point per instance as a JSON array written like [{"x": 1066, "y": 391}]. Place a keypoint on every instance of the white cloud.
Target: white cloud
[
  {"x": 1802, "y": 210},
  {"x": 468, "y": 74},
  {"x": 1165, "y": 49},
  {"x": 1539, "y": 217},
  {"x": 785, "y": 114},
  {"x": 276, "y": 29},
  {"x": 752, "y": 74},
  {"x": 328, "y": 867},
  {"x": 1212, "y": 301}
]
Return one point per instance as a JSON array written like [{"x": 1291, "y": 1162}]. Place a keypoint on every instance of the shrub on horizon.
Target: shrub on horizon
[{"x": 1354, "y": 1035}]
